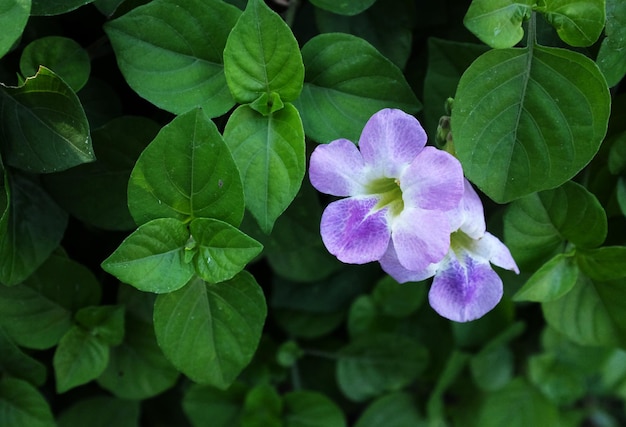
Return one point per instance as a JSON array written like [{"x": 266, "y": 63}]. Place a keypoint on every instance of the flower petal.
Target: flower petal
[
  {"x": 469, "y": 216},
  {"x": 337, "y": 168},
  {"x": 420, "y": 238},
  {"x": 434, "y": 180},
  {"x": 465, "y": 291},
  {"x": 495, "y": 251},
  {"x": 353, "y": 233},
  {"x": 390, "y": 141},
  {"x": 391, "y": 265}
]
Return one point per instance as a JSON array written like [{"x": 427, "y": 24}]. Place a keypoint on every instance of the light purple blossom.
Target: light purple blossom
[{"x": 398, "y": 194}]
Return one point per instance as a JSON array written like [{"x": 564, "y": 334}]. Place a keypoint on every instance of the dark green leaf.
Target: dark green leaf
[
  {"x": 398, "y": 300},
  {"x": 164, "y": 51},
  {"x": 107, "y": 7},
  {"x": 206, "y": 405},
  {"x": 262, "y": 407},
  {"x": 152, "y": 258},
  {"x": 526, "y": 120},
  {"x": 351, "y": 7},
  {"x": 577, "y": 23},
  {"x": 270, "y": 154},
  {"x": 391, "y": 410},
  {"x": 346, "y": 82},
  {"x": 556, "y": 380},
  {"x": 187, "y": 172},
  {"x": 14, "y": 362},
  {"x": 100, "y": 102},
  {"x": 43, "y": 126},
  {"x": 311, "y": 409},
  {"x": 101, "y": 411},
  {"x": 498, "y": 23},
  {"x": 307, "y": 324},
  {"x": 105, "y": 322},
  {"x": 13, "y": 17},
  {"x": 492, "y": 367},
  {"x": 217, "y": 325},
  {"x": 21, "y": 405},
  {"x": 553, "y": 280},
  {"x": 602, "y": 264},
  {"x": 56, "y": 7},
  {"x": 611, "y": 58}
]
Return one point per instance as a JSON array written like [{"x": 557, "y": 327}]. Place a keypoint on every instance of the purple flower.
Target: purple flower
[
  {"x": 399, "y": 194},
  {"x": 465, "y": 286}
]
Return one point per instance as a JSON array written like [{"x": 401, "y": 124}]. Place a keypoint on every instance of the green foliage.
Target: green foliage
[{"x": 13, "y": 17}]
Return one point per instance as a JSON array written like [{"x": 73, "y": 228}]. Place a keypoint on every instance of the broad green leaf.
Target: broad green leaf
[
  {"x": 96, "y": 192},
  {"x": 101, "y": 411},
  {"x": 152, "y": 258},
  {"x": 344, "y": 7},
  {"x": 170, "y": 53},
  {"x": 21, "y": 405},
  {"x": 205, "y": 405},
  {"x": 492, "y": 368},
  {"x": 553, "y": 280},
  {"x": 611, "y": 58},
  {"x": 262, "y": 57},
  {"x": 211, "y": 325},
  {"x": 528, "y": 405},
  {"x": 602, "y": 264},
  {"x": 346, "y": 81},
  {"x": 538, "y": 225},
  {"x": 15, "y": 363},
  {"x": 498, "y": 23},
  {"x": 56, "y": 7},
  {"x": 558, "y": 381},
  {"x": 186, "y": 172},
  {"x": 222, "y": 250},
  {"x": 392, "y": 410},
  {"x": 311, "y": 409},
  {"x": 31, "y": 228},
  {"x": 578, "y": 23},
  {"x": 105, "y": 322},
  {"x": 13, "y": 17},
  {"x": 270, "y": 154},
  {"x": 398, "y": 300},
  {"x": 529, "y": 119},
  {"x": 374, "y": 364},
  {"x": 65, "y": 57},
  {"x": 263, "y": 407},
  {"x": 43, "y": 127},
  {"x": 79, "y": 358}
]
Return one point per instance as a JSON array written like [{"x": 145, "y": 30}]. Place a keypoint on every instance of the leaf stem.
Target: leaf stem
[
  {"x": 531, "y": 37},
  {"x": 290, "y": 14},
  {"x": 322, "y": 354}
]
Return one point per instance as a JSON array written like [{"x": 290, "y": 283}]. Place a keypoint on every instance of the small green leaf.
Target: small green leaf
[
  {"x": 56, "y": 7},
  {"x": 498, "y": 23},
  {"x": 262, "y": 58},
  {"x": 165, "y": 54},
  {"x": 21, "y": 405},
  {"x": 577, "y": 23},
  {"x": 346, "y": 81},
  {"x": 101, "y": 411},
  {"x": 263, "y": 407},
  {"x": 270, "y": 154},
  {"x": 64, "y": 56},
  {"x": 374, "y": 364},
  {"x": 152, "y": 258},
  {"x": 15, "y": 363},
  {"x": 311, "y": 409},
  {"x": 392, "y": 410},
  {"x": 602, "y": 264},
  {"x": 186, "y": 172},
  {"x": 344, "y": 7},
  {"x": 79, "y": 358},
  {"x": 43, "y": 126},
  {"x": 223, "y": 250},
  {"x": 553, "y": 280},
  {"x": 13, "y": 17},
  {"x": 206, "y": 405},
  {"x": 217, "y": 325},
  {"x": 526, "y": 120},
  {"x": 611, "y": 58},
  {"x": 105, "y": 322}
]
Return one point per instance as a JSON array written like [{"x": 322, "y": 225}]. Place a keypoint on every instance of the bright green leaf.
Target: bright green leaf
[
  {"x": 498, "y": 23},
  {"x": 602, "y": 264},
  {"x": 170, "y": 52},
  {"x": 222, "y": 250},
  {"x": 79, "y": 358},
  {"x": 311, "y": 409},
  {"x": 344, "y": 7},
  {"x": 392, "y": 410},
  {"x": 262, "y": 57},
  {"x": 186, "y": 172},
  {"x": 21, "y": 405},
  {"x": 101, "y": 411},
  {"x": 105, "y": 322},
  {"x": 346, "y": 81},
  {"x": 211, "y": 325},
  {"x": 56, "y": 7},
  {"x": 14, "y": 362},
  {"x": 611, "y": 58},
  {"x": 206, "y": 405},
  {"x": 578, "y": 23},
  {"x": 526, "y": 120},
  {"x": 553, "y": 280},
  {"x": 13, "y": 17},
  {"x": 152, "y": 258},
  {"x": 270, "y": 154}
]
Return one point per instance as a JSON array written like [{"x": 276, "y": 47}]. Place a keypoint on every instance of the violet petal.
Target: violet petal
[
  {"x": 391, "y": 265},
  {"x": 337, "y": 168}
]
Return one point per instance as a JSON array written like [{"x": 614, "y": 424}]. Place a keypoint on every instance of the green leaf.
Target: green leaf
[
  {"x": 100, "y": 102},
  {"x": 374, "y": 364},
  {"x": 558, "y": 381},
  {"x": 105, "y": 322},
  {"x": 526, "y": 120},
  {"x": 391, "y": 410},
  {"x": 344, "y": 7},
  {"x": 101, "y": 411},
  {"x": 96, "y": 192},
  {"x": 64, "y": 56},
  {"x": 538, "y": 225},
  {"x": 602, "y": 264},
  {"x": 270, "y": 154},
  {"x": 576, "y": 23},
  {"x": 13, "y": 17},
  {"x": 165, "y": 54},
  {"x": 261, "y": 58},
  {"x": 21, "y": 405},
  {"x": 262, "y": 407},
  {"x": 346, "y": 81},
  {"x": 311, "y": 409},
  {"x": 611, "y": 58},
  {"x": 398, "y": 300},
  {"x": 205, "y": 405},
  {"x": 56, "y": 7},
  {"x": 43, "y": 126},
  {"x": 307, "y": 324},
  {"x": 186, "y": 172},
  {"x": 31, "y": 228},
  {"x": 223, "y": 250},
  {"x": 217, "y": 325},
  {"x": 79, "y": 358},
  {"x": 492, "y": 368},
  {"x": 553, "y": 280},
  {"x": 15, "y": 363},
  {"x": 152, "y": 258},
  {"x": 498, "y": 23}
]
